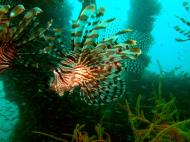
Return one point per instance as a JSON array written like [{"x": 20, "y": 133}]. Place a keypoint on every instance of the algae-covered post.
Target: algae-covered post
[{"x": 141, "y": 18}]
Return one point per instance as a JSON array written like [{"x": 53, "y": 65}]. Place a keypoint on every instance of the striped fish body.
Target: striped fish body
[
  {"x": 94, "y": 65},
  {"x": 6, "y": 57}
]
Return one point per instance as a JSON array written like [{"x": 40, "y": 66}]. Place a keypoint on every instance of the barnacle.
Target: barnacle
[
  {"x": 17, "y": 29},
  {"x": 184, "y": 32},
  {"x": 95, "y": 65}
]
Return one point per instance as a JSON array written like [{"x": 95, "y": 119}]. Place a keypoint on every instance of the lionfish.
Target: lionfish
[
  {"x": 13, "y": 34},
  {"x": 185, "y": 33},
  {"x": 94, "y": 65}
]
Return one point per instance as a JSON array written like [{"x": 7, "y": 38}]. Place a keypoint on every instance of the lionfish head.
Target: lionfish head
[{"x": 57, "y": 86}]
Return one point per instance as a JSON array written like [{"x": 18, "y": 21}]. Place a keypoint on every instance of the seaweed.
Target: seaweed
[
  {"x": 162, "y": 124},
  {"x": 79, "y": 135}
]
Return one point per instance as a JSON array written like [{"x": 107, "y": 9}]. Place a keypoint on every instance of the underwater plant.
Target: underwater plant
[
  {"x": 161, "y": 123},
  {"x": 82, "y": 136},
  {"x": 14, "y": 24},
  {"x": 184, "y": 32},
  {"x": 162, "y": 127},
  {"x": 95, "y": 65}
]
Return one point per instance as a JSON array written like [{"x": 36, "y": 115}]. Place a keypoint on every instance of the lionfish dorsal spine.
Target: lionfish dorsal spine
[
  {"x": 27, "y": 19},
  {"x": 95, "y": 65},
  {"x": 92, "y": 37},
  {"x": 36, "y": 34},
  {"x": 79, "y": 27},
  {"x": 184, "y": 32},
  {"x": 17, "y": 10},
  {"x": 186, "y": 5},
  {"x": 18, "y": 28}
]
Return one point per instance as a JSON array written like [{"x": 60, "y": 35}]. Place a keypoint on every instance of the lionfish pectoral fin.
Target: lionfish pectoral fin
[
  {"x": 184, "y": 32},
  {"x": 80, "y": 28},
  {"x": 38, "y": 33},
  {"x": 186, "y": 5},
  {"x": 108, "y": 91}
]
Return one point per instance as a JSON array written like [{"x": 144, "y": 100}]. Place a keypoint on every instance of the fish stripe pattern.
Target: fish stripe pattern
[
  {"x": 13, "y": 35},
  {"x": 184, "y": 32},
  {"x": 95, "y": 66}
]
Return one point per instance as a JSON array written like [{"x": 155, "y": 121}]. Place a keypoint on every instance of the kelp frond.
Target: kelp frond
[
  {"x": 50, "y": 136},
  {"x": 161, "y": 124}
]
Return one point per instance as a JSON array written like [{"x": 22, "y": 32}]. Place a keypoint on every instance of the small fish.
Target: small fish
[
  {"x": 178, "y": 67},
  {"x": 182, "y": 72},
  {"x": 185, "y": 75}
]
